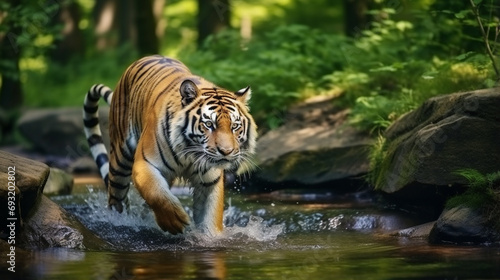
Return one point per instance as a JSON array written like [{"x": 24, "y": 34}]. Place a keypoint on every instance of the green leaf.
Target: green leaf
[
  {"x": 462, "y": 14},
  {"x": 464, "y": 56}
]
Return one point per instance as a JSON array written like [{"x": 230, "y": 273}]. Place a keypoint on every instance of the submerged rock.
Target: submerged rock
[
  {"x": 417, "y": 232},
  {"x": 52, "y": 226},
  {"x": 447, "y": 133},
  {"x": 463, "y": 225},
  {"x": 315, "y": 145}
]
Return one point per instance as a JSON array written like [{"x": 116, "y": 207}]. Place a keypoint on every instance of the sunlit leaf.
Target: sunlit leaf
[{"x": 462, "y": 14}]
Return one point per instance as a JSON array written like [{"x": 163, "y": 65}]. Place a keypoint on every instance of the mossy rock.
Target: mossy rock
[{"x": 447, "y": 133}]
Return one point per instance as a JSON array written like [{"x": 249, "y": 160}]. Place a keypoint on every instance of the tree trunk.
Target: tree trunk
[
  {"x": 72, "y": 42},
  {"x": 213, "y": 16},
  {"x": 147, "y": 42},
  {"x": 104, "y": 14},
  {"x": 355, "y": 17},
  {"x": 125, "y": 22},
  {"x": 11, "y": 97}
]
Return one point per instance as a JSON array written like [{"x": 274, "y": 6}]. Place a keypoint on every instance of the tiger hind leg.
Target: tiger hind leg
[{"x": 120, "y": 172}]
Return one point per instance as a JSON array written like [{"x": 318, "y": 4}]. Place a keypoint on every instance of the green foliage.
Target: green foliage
[
  {"x": 396, "y": 65},
  {"x": 279, "y": 65},
  {"x": 376, "y": 157},
  {"x": 66, "y": 85},
  {"x": 482, "y": 190},
  {"x": 28, "y": 27}
]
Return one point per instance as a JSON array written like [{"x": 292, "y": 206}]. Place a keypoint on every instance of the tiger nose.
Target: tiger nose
[{"x": 225, "y": 150}]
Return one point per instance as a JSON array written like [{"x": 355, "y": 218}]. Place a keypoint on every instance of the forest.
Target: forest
[
  {"x": 377, "y": 143},
  {"x": 381, "y": 58}
]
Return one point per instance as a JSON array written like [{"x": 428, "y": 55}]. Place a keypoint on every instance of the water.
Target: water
[{"x": 290, "y": 236}]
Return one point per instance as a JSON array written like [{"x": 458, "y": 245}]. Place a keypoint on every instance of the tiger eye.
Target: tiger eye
[
  {"x": 209, "y": 124},
  {"x": 235, "y": 126}
]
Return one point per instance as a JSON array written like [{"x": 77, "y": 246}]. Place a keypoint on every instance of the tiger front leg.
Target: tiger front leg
[
  {"x": 208, "y": 202},
  {"x": 155, "y": 190}
]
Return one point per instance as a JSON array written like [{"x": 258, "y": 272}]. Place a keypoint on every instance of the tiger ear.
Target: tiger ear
[
  {"x": 189, "y": 91},
  {"x": 244, "y": 94}
]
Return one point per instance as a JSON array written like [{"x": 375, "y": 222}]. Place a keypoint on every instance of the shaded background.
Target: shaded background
[{"x": 381, "y": 57}]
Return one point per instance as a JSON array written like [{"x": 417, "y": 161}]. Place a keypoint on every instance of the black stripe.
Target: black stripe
[
  {"x": 116, "y": 185},
  {"x": 106, "y": 180},
  {"x": 166, "y": 134},
  {"x": 203, "y": 184},
  {"x": 106, "y": 94},
  {"x": 92, "y": 97},
  {"x": 147, "y": 160},
  {"x": 161, "y": 155},
  {"x": 101, "y": 159},
  {"x": 94, "y": 139},
  {"x": 119, "y": 199},
  {"x": 90, "y": 109},
  {"x": 146, "y": 63},
  {"x": 91, "y": 122},
  {"x": 169, "y": 87},
  {"x": 127, "y": 155},
  {"x": 119, "y": 173},
  {"x": 123, "y": 165}
]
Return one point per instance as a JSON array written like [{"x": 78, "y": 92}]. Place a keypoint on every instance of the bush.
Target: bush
[{"x": 279, "y": 65}]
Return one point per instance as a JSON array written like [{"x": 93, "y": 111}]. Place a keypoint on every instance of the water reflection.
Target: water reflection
[{"x": 170, "y": 265}]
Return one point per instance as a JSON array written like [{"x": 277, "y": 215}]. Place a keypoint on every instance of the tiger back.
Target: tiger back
[{"x": 166, "y": 123}]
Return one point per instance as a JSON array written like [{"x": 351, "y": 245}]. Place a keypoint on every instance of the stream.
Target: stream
[{"x": 309, "y": 235}]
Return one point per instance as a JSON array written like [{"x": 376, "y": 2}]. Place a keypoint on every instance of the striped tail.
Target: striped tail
[{"x": 92, "y": 128}]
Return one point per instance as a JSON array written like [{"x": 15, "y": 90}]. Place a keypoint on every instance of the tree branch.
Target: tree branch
[{"x": 475, "y": 10}]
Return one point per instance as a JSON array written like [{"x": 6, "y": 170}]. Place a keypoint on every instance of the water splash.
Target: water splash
[
  {"x": 136, "y": 229},
  {"x": 246, "y": 224}
]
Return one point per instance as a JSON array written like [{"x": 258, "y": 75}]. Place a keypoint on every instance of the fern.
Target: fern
[{"x": 481, "y": 192}]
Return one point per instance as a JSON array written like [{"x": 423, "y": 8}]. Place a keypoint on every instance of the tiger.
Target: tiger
[{"x": 165, "y": 124}]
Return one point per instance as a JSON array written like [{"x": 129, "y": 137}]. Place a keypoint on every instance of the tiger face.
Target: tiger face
[{"x": 219, "y": 132}]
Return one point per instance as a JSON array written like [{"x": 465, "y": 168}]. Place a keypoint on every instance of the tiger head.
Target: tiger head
[{"x": 217, "y": 130}]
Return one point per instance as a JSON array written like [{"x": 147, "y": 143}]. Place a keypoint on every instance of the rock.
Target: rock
[
  {"x": 52, "y": 226},
  {"x": 59, "y": 132},
  {"x": 58, "y": 183},
  {"x": 416, "y": 232},
  {"x": 22, "y": 259},
  {"x": 29, "y": 177},
  {"x": 463, "y": 225},
  {"x": 447, "y": 133},
  {"x": 83, "y": 165},
  {"x": 315, "y": 145},
  {"x": 37, "y": 222}
]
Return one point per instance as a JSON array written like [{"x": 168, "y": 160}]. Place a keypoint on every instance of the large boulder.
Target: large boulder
[
  {"x": 314, "y": 146},
  {"x": 425, "y": 148},
  {"x": 22, "y": 180},
  {"x": 59, "y": 131},
  {"x": 33, "y": 220}
]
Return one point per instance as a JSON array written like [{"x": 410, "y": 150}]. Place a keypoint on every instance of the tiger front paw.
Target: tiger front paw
[{"x": 171, "y": 218}]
